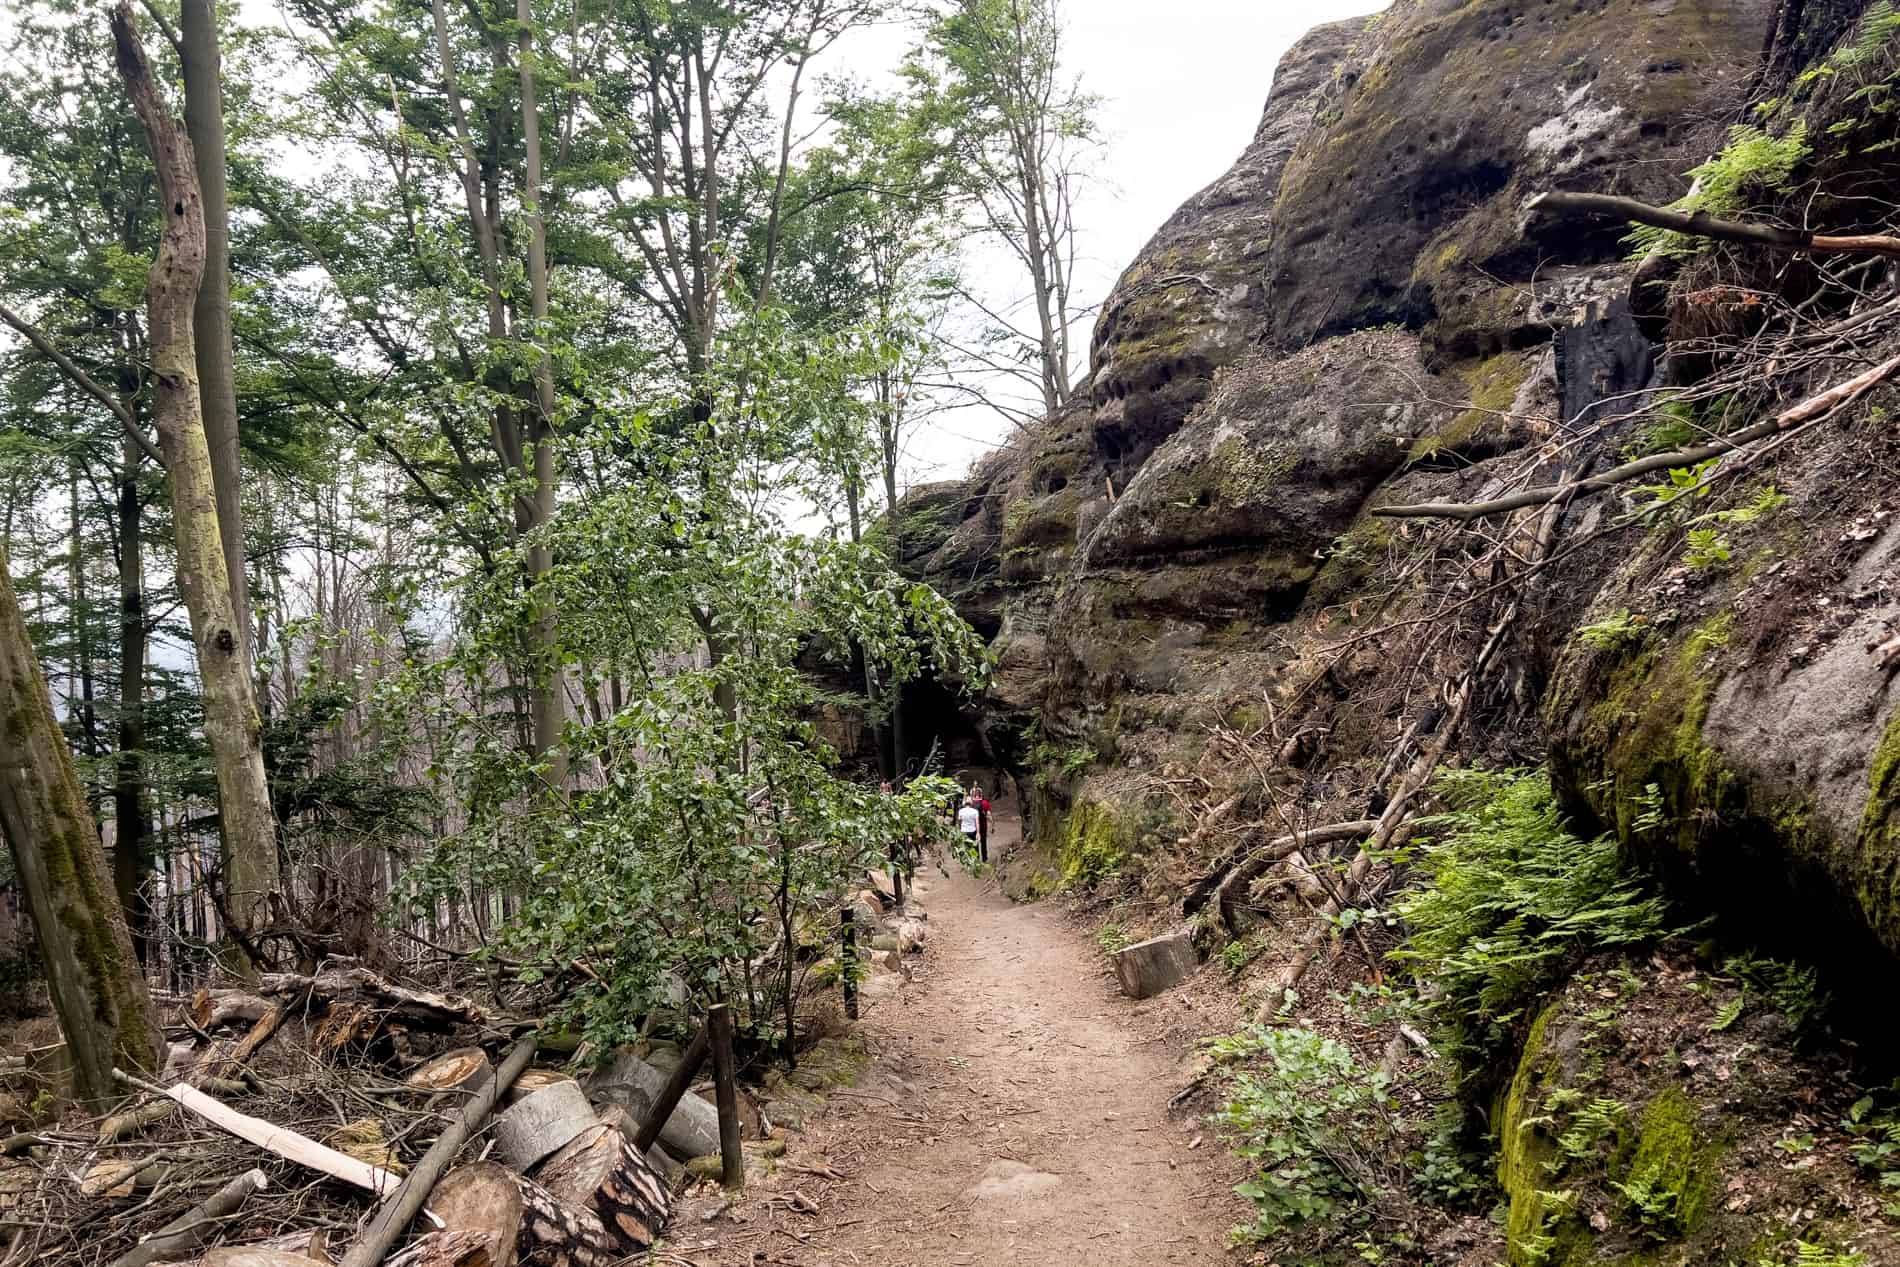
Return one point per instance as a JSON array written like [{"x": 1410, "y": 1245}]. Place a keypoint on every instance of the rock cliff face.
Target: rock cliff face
[{"x": 1190, "y": 603}]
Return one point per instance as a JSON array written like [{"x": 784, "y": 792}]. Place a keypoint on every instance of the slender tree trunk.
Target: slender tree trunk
[
  {"x": 896, "y": 692},
  {"x": 105, "y": 1010},
  {"x": 860, "y": 662},
  {"x": 230, "y": 705},
  {"x": 131, "y": 850},
  {"x": 211, "y": 311},
  {"x": 84, "y": 704},
  {"x": 550, "y": 694}
]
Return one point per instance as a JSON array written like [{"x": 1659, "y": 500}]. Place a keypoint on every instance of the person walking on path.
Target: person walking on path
[
  {"x": 982, "y": 821},
  {"x": 970, "y": 823}
]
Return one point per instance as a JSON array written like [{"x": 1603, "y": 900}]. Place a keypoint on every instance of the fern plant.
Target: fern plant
[
  {"x": 1515, "y": 898},
  {"x": 1752, "y": 164}
]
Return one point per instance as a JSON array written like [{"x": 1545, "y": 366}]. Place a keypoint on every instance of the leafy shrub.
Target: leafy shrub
[
  {"x": 1311, "y": 1118},
  {"x": 1514, "y": 900}
]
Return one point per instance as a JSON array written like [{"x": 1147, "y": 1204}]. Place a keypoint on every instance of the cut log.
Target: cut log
[
  {"x": 690, "y": 1130},
  {"x": 445, "y": 1249},
  {"x": 600, "y": 1170},
  {"x": 116, "y": 1177},
  {"x": 252, "y": 1256},
  {"x": 1160, "y": 963},
  {"x": 310, "y": 1243},
  {"x": 542, "y": 1123},
  {"x": 375, "y": 1240},
  {"x": 129, "y": 1123},
  {"x": 519, "y": 1221},
  {"x": 535, "y": 1080},
  {"x": 662, "y": 1162},
  {"x": 458, "y": 1070}
]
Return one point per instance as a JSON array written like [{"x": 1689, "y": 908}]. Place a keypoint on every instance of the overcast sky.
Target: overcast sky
[{"x": 1182, "y": 86}]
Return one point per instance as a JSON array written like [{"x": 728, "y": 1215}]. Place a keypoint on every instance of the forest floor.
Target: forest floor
[{"x": 1015, "y": 1106}]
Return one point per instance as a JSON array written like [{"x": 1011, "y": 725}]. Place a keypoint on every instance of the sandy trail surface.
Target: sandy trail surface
[{"x": 1015, "y": 1113}]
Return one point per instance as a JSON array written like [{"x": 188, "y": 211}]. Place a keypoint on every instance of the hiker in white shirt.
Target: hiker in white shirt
[{"x": 969, "y": 820}]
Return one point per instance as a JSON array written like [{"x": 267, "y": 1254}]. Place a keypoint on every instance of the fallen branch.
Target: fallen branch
[
  {"x": 1227, "y": 896},
  {"x": 286, "y": 1143},
  {"x": 1697, "y": 224},
  {"x": 370, "y": 1248},
  {"x": 1813, "y": 408},
  {"x": 184, "y": 1233}
]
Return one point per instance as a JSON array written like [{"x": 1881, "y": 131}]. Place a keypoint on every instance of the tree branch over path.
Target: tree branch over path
[{"x": 1696, "y": 224}]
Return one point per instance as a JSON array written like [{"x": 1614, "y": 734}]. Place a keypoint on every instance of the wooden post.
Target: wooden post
[
  {"x": 897, "y": 873},
  {"x": 848, "y": 959},
  {"x": 725, "y": 1080},
  {"x": 675, "y": 1087}
]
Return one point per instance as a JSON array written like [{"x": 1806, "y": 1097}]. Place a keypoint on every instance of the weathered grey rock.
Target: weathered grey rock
[
  {"x": 632, "y": 1083},
  {"x": 1147, "y": 968}
]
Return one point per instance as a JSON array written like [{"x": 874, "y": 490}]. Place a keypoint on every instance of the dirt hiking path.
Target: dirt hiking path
[{"x": 1014, "y": 1112}]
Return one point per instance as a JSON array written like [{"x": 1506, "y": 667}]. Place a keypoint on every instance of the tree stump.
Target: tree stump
[
  {"x": 535, "y": 1080},
  {"x": 542, "y": 1123},
  {"x": 601, "y": 1171},
  {"x": 519, "y": 1221},
  {"x": 458, "y": 1070},
  {"x": 1160, "y": 963}
]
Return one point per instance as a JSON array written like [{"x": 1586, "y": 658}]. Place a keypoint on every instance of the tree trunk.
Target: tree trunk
[
  {"x": 211, "y": 311},
  {"x": 550, "y": 688},
  {"x": 104, "y": 1008},
  {"x": 519, "y": 1220},
  {"x": 131, "y": 847},
  {"x": 231, "y": 723}
]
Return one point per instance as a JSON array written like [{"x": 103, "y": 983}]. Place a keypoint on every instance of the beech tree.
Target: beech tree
[
  {"x": 104, "y": 1008},
  {"x": 231, "y": 718}
]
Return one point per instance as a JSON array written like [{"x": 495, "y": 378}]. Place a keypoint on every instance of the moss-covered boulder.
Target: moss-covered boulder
[{"x": 1656, "y": 1117}]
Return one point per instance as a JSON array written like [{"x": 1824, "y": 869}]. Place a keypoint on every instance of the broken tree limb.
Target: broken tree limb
[
  {"x": 456, "y": 1070},
  {"x": 416, "y": 1006},
  {"x": 1809, "y": 410},
  {"x": 1227, "y": 896},
  {"x": 178, "y": 1237},
  {"x": 1697, "y": 224},
  {"x": 402, "y": 1208},
  {"x": 286, "y": 1143}
]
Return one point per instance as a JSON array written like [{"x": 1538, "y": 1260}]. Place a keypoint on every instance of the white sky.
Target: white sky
[{"x": 1182, "y": 87}]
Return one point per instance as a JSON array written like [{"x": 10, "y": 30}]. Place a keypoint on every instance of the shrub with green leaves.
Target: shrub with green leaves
[
  {"x": 1315, "y": 1122},
  {"x": 1515, "y": 899}
]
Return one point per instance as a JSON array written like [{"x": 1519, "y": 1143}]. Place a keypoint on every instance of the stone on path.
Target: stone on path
[
  {"x": 1008, "y": 1180},
  {"x": 1160, "y": 963}
]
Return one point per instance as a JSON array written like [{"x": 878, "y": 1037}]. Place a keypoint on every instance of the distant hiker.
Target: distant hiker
[
  {"x": 970, "y": 822},
  {"x": 982, "y": 821}
]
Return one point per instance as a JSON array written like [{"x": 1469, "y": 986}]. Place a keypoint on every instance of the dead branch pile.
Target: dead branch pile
[{"x": 342, "y": 1117}]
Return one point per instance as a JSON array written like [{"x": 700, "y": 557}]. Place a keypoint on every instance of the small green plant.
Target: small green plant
[
  {"x": 1451, "y": 1168},
  {"x": 1753, "y": 163},
  {"x": 1707, "y": 548},
  {"x": 1655, "y": 1202},
  {"x": 1236, "y": 955},
  {"x": 1515, "y": 900},
  {"x": 1684, "y": 481},
  {"x": 1113, "y": 938},
  {"x": 1873, "y": 1123},
  {"x": 1797, "y": 1144},
  {"x": 1810, "y": 1254},
  {"x": 1308, "y": 1116},
  {"x": 1791, "y": 989},
  {"x": 1728, "y": 1013},
  {"x": 1612, "y": 633}
]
